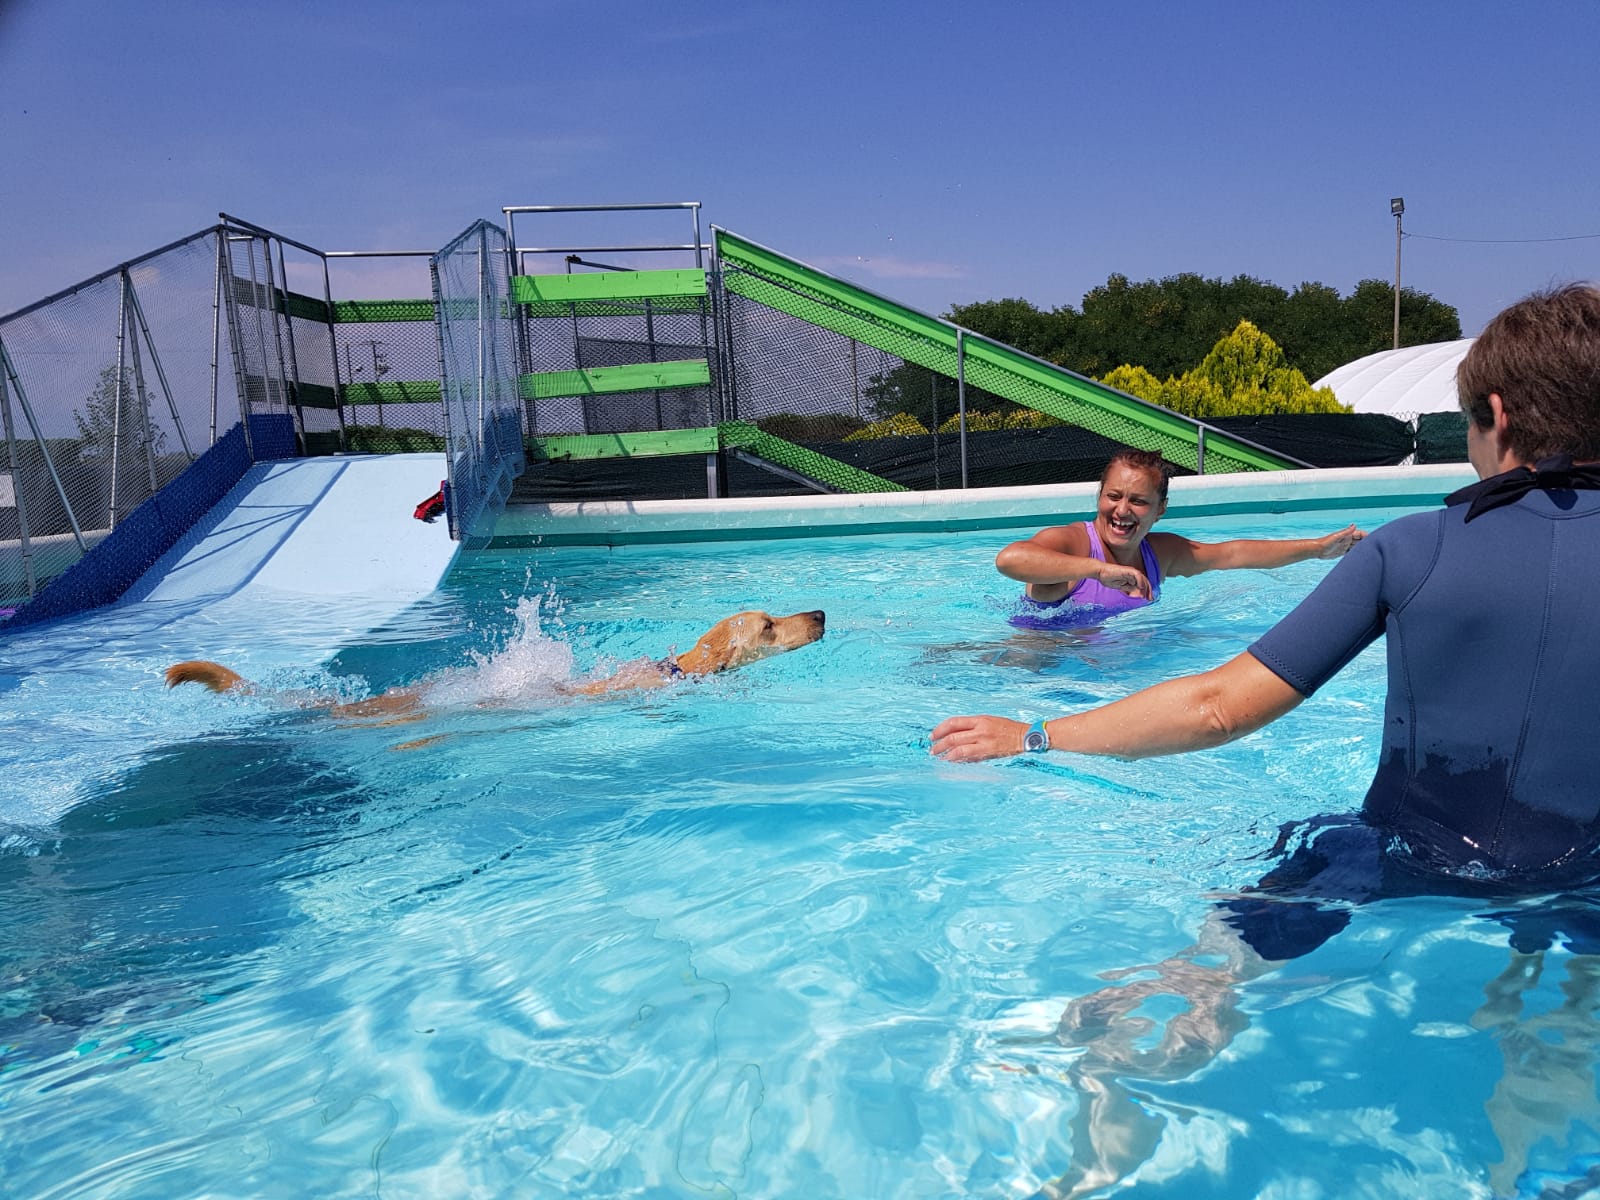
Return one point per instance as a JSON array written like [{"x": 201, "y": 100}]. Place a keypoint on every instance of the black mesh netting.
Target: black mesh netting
[{"x": 996, "y": 458}]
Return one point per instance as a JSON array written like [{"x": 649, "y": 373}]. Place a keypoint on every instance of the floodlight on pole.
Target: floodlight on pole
[{"x": 1397, "y": 208}]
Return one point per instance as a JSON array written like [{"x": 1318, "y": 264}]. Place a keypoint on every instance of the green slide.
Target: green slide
[{"x": 813, "y": 296}]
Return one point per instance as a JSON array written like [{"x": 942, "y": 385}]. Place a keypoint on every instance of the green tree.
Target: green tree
[
  {"x": 1244, "y": 373},
  {"x": 1250, "y": 371},
  {"x": 1046, "y": 335},
  {"x": 1370, "y": 319},
  {"x": 1136, "y": 381},
  {"x": 1311, "y": 328},
  {"x": 98, "y": 424},
  {"x": 1167, "y": 325}
]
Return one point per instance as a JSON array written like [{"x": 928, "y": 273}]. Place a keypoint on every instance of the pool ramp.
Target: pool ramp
[{"x": 331, "y": 528}]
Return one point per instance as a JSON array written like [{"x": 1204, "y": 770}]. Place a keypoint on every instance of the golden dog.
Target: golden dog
[{"x": 732, "y": 642}]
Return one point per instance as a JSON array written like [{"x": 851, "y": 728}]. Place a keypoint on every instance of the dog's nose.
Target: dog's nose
[{"x": 818, "y": 616}]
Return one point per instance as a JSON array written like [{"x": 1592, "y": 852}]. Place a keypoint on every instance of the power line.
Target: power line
[{"x": 1577, "y": 237}]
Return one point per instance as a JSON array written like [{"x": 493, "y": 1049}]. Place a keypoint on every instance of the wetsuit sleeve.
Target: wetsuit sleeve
[{"x": 1343, "y": 615}]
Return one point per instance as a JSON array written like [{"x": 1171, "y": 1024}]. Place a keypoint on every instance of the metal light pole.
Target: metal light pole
[{"x": 1397, "y": 206}]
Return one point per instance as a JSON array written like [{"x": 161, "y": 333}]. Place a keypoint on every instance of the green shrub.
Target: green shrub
[
  {"x": 811, "y": 427},
  {"x": 899, "y": 425},
  {"x": 1245, "y": 374}
]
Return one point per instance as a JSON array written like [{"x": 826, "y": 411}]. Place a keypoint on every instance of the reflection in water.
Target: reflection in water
[
  {"x": 1547, "y": 1080},
  {"x": 1170, "y": 1019},
  {"x": 1117, "y": 1128}
]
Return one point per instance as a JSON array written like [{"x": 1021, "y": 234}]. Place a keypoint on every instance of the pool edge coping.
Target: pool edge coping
[{"x": 657, "y": 522}]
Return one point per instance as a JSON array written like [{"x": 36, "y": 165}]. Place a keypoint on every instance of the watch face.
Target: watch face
[{"x": 1035, "y": 741}]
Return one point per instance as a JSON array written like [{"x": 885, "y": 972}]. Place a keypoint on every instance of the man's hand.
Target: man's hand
[{"x": 972, "y": 739}]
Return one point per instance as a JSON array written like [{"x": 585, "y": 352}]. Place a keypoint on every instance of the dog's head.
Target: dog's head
[{"x": 748, "y": 636}]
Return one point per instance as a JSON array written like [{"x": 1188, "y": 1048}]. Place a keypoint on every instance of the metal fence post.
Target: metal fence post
[
  {"x": 236, "y": 342},
  {"x": 333, "y": 355},
  {"x": 161, "y": 374},
  {"x": 139, "y": 388},
  {"x": 216, "y": 332},
  {"x": 19, "y": 499},
  {"x": 961, "y": 397},
  {"x": 44, "y": 449},
  {"x": 483, "y": 333},
  {"x": 116, "y": 411}
]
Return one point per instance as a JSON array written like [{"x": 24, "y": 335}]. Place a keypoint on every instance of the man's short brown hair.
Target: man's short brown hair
[{"x": 1541, "y": 356}]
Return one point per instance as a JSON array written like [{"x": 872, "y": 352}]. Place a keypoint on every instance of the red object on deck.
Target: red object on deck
[{"x": 431, "y": 507}]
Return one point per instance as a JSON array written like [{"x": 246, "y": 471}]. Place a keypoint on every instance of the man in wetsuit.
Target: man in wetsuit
[
  {"x": 1488, "y": 781},
  {"x": 1080, "y": 574}
]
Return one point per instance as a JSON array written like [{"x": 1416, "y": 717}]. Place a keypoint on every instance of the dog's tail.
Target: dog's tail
[{"x": 212, "y": 675}]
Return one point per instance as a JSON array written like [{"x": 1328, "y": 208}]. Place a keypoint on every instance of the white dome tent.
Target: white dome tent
[{"x": 1401, "y": 383}]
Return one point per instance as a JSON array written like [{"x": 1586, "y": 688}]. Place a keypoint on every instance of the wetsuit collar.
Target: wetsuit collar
[{"x": 1555, "y": 473}]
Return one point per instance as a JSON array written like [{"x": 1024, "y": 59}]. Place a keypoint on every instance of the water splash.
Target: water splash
[{"x": 532, "y": 665}]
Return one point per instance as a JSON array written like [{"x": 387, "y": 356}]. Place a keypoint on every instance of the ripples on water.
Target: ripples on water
[{"x": 741, "y": 936}]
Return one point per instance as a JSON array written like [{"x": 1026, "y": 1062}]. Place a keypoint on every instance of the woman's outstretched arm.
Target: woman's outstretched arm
[{"x": 1180, "y": 556}]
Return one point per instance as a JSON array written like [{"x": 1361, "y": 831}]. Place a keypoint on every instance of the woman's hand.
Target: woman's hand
[
  {"x": 1337, "y": 544},
  {"x": 1130, "y": 581},
  {"x": 972, "y": 739}
]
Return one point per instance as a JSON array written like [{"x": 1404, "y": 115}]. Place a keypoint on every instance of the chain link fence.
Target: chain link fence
[
  {"x": 478, "y": 374},
  {"x": 110, "y": 389}
]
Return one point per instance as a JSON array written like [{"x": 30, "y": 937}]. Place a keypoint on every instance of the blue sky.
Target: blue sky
[{"x": 937, "y": 152}]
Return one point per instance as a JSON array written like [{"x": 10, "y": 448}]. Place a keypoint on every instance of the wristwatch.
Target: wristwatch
[{"x": 1037, "y": 739}]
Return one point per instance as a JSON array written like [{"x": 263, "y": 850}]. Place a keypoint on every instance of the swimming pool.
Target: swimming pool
[{"x": 740, "y": 937}]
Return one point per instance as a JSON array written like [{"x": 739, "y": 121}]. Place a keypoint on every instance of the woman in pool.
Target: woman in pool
[{"x": 1082, "y": 573}]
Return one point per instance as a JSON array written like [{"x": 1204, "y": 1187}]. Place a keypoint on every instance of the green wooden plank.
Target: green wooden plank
[
  {"x": 382, "y": 310},
  {"x": 393, "y": 391},
  {"x": 624, "y": 445},
  {"x": 607, "y": 285},
  {"x": 634, "y": 377}
]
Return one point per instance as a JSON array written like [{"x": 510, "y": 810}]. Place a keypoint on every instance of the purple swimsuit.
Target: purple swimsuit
[{"x": 1091, "y": 601}]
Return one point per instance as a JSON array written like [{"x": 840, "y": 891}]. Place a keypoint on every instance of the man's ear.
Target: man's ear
[
  {"x": 1497, "y": 412},
  {"x": 1499, "y": 428}
]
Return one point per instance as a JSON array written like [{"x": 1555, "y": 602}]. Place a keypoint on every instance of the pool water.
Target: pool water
[{"x": 741, "y": 936}]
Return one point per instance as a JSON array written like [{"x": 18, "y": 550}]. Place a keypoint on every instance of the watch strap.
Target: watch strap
[{"x": 1036, "y": 745}]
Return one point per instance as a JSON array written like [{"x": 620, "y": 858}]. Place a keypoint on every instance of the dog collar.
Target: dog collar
[{"x": 1037, "y": 739}]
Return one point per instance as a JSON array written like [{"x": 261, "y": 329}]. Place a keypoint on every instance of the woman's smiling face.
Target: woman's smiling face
[{"x": 1130, "y": 503}]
